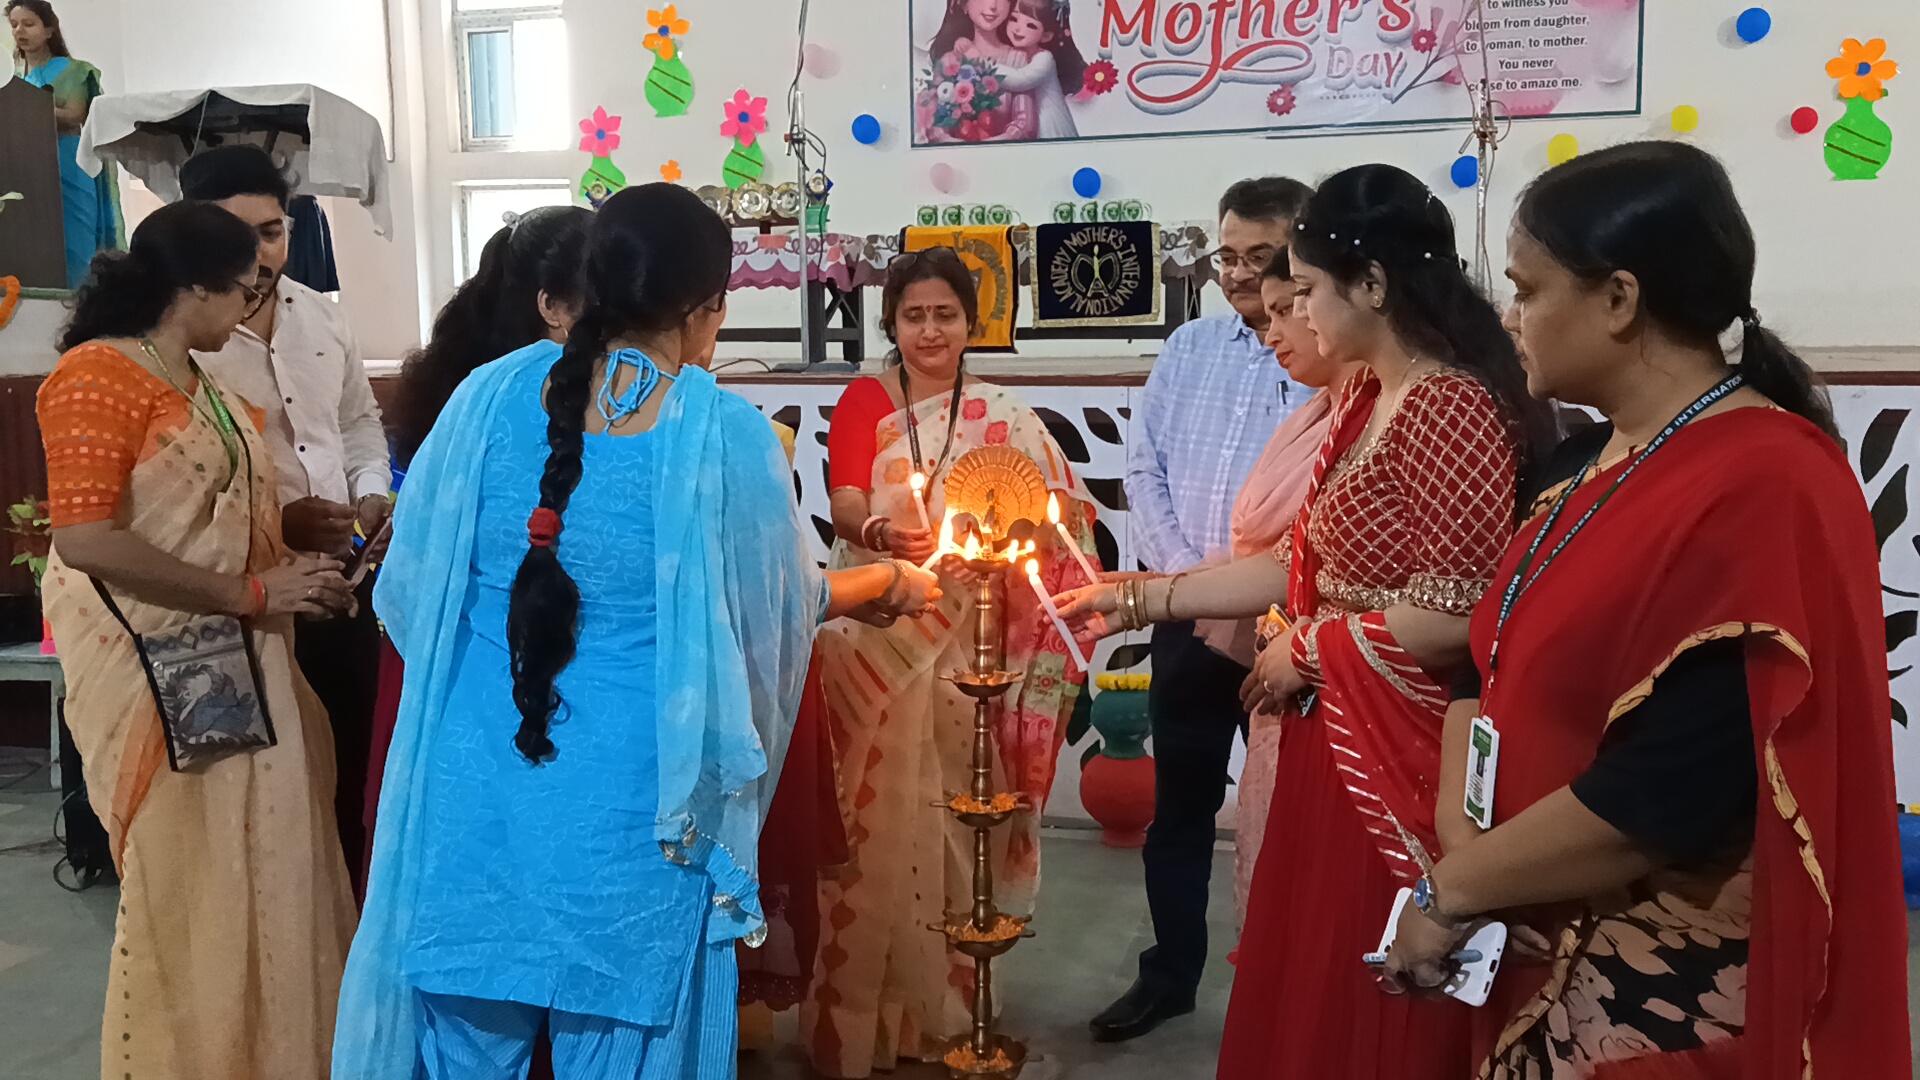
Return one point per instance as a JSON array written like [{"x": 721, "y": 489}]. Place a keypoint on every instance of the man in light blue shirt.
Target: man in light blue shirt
[{"x": 1213, "y": 401}]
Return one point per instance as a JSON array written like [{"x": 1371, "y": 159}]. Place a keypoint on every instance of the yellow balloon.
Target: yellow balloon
[
  {"x": 1686, "y": 118},
  {"x": 1562, "y": 149}
]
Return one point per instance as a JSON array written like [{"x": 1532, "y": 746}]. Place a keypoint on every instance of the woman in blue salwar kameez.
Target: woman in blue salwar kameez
[{"x": 599, "y": 586}]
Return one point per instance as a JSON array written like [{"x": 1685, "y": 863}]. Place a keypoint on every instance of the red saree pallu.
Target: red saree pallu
[
  {"x": 1747, "y": 525},
  {"x": 802, "y": 835},
  {"x": 1418, "y": 517}
]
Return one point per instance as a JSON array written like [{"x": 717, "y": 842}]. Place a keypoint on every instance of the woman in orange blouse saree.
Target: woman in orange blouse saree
[{"x": 234, "y": 911}]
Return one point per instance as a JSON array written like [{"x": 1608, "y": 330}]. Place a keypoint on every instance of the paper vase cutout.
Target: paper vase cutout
[
  {"x": 1859, "y": 143},
  {"x": 746, "y": 119},
  {"x": 744, "y": 165},
  {"x": 601, "y": 180},
  {"x": 669, "y": 87}
]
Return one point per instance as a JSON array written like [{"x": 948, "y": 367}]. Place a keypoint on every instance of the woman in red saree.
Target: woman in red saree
[
  {"x": 1692, "y": 801},
  {"x": 1411, "y": 503}
]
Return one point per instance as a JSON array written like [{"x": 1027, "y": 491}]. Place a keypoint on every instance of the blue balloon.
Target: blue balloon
[
  {"x": 1086, "y": 183},
  {"x": 866, "y": 129},
  {"x": 1465, "y": 171},
  {"x": 1753, "y": 24}
]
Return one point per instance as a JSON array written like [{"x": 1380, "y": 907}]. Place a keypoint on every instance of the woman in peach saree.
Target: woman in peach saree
[{"x": 234, "y": 912}]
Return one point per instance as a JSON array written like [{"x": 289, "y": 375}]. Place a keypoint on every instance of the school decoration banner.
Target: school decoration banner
[
  {"x": 1105, "y": 274},
  {"x": 996, "y": 71}
]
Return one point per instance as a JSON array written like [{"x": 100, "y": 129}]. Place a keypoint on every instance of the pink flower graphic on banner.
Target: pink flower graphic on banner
[
  {"x": 1281, "y": 101},
  {"x": 746, "y": 118},
  {"x": 1101, "y": 77},
  {"x": 600, "y": 133},
  {"x": 950, "y": 66},
  {"x": 963, "y": 93},
  {"x": 1424, "y": 41}
]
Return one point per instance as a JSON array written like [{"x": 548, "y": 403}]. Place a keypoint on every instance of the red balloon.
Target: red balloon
[{"x": 1805, "y": 119}]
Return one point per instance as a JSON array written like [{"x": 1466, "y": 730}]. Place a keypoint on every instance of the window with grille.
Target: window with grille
[{"x": 512, "y": 72}]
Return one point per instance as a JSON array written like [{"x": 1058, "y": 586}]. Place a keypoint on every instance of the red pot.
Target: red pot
[{"x": 1119, "y": 795}]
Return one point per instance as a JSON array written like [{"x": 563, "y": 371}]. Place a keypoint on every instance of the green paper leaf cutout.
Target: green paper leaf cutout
[
  {"x": 744, "y": 164},
  {"x": 669, "y": 87},
  {"x": 600, "y": 181}
]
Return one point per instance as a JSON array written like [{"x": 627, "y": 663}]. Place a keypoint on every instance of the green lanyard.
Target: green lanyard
[{"x": 221, "y": 419}]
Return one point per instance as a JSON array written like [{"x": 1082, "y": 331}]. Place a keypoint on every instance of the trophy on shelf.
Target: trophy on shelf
[{"x": 1004, "y": 493}]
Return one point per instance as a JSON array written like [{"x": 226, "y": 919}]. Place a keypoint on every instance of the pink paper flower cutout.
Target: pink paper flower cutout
[
  {"x": 1281, "y": 101},
  {"x": 746, "y": 118},
  {"x": 600, "y": 133}
]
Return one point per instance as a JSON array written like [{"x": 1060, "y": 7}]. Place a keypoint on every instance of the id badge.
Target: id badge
[{"x": 1483, "y": 761}]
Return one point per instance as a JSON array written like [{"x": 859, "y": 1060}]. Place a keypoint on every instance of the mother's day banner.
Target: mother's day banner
[{"x": 1026, "y": 70}]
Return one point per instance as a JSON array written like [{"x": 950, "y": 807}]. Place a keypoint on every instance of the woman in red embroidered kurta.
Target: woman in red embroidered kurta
[{"x": 1411, "y": 503}]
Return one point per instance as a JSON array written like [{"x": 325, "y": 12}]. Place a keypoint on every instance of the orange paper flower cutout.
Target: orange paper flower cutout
[
  {"x": 670, "y": 172},
  {"x": 667, "y": 25},
  {"x": 1861, "y": 69}
]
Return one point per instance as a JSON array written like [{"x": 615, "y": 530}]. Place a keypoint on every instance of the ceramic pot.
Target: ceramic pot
[{"x": 1117, "y": 785}]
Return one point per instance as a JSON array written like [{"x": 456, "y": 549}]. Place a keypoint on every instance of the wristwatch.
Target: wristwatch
[{"x": 1426, "y": 900}]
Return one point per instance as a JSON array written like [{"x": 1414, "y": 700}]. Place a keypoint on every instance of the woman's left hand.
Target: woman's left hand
[
  {"x": 1418, "y": 959},
  {"x": 1274, "y": 680}
]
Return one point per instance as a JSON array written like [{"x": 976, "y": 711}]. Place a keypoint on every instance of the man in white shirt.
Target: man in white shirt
[{"x": 295, "y": 359}]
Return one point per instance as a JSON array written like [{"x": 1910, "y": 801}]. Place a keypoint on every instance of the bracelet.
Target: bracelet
[
  {"x": 1123, "y": 596},
  {"x": 259, "y": 590},
  {"x": 899, "y": 574},
  {"x": 872, "y": 533},
  {"x": 1172, "y": 584}
]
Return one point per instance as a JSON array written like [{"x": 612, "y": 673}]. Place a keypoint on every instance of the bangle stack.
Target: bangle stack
[
  {"x": 1132, "y": 595},
  {"x": 873, "y": 533}
]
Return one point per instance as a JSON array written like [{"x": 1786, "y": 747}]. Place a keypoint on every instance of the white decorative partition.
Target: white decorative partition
[{"x": 1092, "y": 422}]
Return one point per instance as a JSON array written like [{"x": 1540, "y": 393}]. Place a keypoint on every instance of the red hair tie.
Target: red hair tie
[{"x": 542, "y": 527}]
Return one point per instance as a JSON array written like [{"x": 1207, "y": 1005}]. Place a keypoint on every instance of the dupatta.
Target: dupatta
[
  {"x": 738, "y": 603},
  {"x": 1748, "y": 524},
  {"x": 1387, "y": 740}
]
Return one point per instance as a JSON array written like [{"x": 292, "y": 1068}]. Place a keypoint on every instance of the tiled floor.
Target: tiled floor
[{"x": 1092, "y": 922}]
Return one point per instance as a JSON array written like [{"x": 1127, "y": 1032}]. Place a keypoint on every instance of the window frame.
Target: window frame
[
  {"x": 464, "y": 243},
  {"x": 485, "y": 20}
]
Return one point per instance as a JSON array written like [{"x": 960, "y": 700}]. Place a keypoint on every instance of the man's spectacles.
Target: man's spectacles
[{"x": 1231, "y": 262}]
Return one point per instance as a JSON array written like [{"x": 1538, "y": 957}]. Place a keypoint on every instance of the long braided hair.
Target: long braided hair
[{"x": 655, "y": 255}]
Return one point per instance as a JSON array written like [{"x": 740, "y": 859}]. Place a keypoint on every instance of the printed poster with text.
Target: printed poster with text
[{"x": 1031, "y": 70}]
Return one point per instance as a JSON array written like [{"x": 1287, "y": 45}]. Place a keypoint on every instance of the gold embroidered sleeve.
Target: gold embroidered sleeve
[{"x": 1446, "y": 595}]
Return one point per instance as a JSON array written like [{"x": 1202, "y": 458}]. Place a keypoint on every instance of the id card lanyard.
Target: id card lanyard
[
  {"x": 913, "y": 425},
  {"x": 1483, "y": 744}
]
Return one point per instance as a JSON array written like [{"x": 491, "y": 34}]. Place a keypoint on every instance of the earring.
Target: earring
[{"x": 1378, "y": 302}]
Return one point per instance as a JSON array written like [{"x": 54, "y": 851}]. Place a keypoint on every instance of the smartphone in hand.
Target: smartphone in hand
[{"x": 360, "y": 561}]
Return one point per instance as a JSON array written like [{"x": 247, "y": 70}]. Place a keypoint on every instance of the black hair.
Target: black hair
[
  {"x": 955, "y": 26},
  {"x": 931, "y": 264},
  {"x": 1379, "y": 214},
  {"x": 655, "y": 255},
  {"x": 1278, "y": 267},
  {"x": 493, "y": 313},
  {"x": 1666, "y": 213},
  {"x": 56, "y": 40},
  {"x": 1266, "y": 198},
  {"x": 176, "y": 248},
  {"x": 237, "y": 169},
  {"x": 1067, "y": 60}
]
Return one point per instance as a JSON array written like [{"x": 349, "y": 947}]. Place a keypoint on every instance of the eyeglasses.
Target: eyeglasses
[
  {"x": 255, "y": 297},
  {"x": 1231, "y": 262}
]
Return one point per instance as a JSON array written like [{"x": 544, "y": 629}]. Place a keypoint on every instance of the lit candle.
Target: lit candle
[
  {"x": 919, "y": 483},
  {"x": 1039, "y": 590},
  {"x": 1053, "y": 515}
]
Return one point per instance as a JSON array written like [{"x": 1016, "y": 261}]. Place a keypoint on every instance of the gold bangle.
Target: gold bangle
[{"x": 1173, "y": 583}]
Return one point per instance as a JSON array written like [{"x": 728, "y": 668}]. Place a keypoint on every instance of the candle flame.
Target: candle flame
[
  {"x": 1033, "y": 569},
  {"x": 1053, "y": 508},
  {"x": 972, "y": 550},
  {"x": 918, "y": 481}
]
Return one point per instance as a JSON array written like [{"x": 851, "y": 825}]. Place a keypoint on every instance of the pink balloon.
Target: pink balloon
[
  {"x": 943, "y": 177},
  {"x": 821, "y": 62}
]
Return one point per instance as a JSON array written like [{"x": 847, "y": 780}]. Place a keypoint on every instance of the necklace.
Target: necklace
[
  {"x": 1518, "y": 585},
  {"x": 616, "y": 407},
  {"x": 220, "y": 419},
  {"x": 913, "y": 424}
]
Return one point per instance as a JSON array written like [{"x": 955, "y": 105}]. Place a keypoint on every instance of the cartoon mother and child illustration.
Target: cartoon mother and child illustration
[{"x": 1000, "y": 71}]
